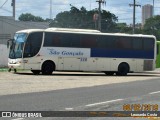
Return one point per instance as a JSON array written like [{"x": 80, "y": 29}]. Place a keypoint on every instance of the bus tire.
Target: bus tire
[
  {"x": 36, "y": 72},
  {"x": 15, "y": 71},
  {"x": 123, "y": 69},
  {"x": 48, "y": 67},
  {"x": 109, "y": 73},
  {"x": 9, "y": 70}
]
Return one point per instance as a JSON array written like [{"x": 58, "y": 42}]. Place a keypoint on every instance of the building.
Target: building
[
  {"x": 8, "y": 26},
  {"x": 147, "y": 12}
]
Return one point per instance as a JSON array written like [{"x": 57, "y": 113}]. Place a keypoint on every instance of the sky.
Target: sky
[{"x": 41, "y": 8}]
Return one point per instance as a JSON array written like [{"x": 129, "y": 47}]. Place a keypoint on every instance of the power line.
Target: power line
[
  {"x": 4, "y": 3},
  {"x": 6, "y": 10}
]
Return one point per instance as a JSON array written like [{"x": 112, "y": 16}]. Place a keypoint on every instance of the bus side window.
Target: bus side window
[
  {"x": 56, "y": 41},
  {"x": 65, "y": 40},
  {"x": 148, "y": 43},
  {"x": 89, "y": 41},
  {"x": 137, "y": 44},
  {"x": 110, "y": 42},
  {"x": 75, "y": 40},
  {"x": 48, "y": 42},
  {"x": 124, "y": 43},
  {"x": 101, "y": 43}
]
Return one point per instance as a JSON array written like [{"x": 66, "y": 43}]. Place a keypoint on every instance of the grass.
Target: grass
[{"x": 3, "y": 69}]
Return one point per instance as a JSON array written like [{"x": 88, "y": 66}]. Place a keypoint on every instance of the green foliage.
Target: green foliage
[
  {"x": 122, "y": 28},
  {"x": 30, "y": 17},
  {"x": 83, "y": 19},
  {"x": 152, "y": 26}
]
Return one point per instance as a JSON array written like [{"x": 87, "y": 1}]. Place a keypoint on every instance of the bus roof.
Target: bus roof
[
  {"x": 85, "y": 31},
  {"x": 72, "y": 30},
  {"x": 29, "y": 30}
]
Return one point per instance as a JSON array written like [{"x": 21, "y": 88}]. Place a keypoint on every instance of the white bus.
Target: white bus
[{"x": 59, "y": 49}]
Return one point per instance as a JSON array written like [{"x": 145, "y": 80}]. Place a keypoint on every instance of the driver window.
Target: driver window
[{"x": 33, "y": 44}]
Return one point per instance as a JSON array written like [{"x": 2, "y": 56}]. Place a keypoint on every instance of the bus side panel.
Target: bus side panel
[
  {"x": 88, "y": 64},
  {"x": 103, "y": 64},
  {"x": 33, "y": 63},
  {"x": 132, "y": 64},
  {"x": 71, "y": 63},
  {"x": 60, "y": 65},
  {"x": 140, "y": 65},
  {"x": 114, "y": 64}
]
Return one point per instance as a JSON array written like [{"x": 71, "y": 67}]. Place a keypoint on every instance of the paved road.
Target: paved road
[
  {"x": 27, "y": 82},
  {"x": 101, "y": 97},
  {"x": 77, "y": 97}
]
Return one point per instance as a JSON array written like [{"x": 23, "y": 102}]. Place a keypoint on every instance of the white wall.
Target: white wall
[
  {"x": 3, "y": 55},
  {"x": 8, "y": 26}
]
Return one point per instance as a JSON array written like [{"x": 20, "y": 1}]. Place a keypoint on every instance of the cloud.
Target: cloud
[{"x": 41, "y": 8}]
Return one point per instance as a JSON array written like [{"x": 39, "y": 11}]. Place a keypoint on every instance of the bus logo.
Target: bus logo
[{"x": 6, "y": 114}]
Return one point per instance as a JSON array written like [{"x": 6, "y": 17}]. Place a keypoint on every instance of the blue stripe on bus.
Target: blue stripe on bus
[{"x": 95, "y": 52}]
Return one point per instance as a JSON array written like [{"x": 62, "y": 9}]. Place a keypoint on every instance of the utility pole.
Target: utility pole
[
  {"x": 90, "y": 4},
  {"x": 13, "y": 4},
  {"x": 134, "y": 12},
  {"x": 50, "y": 9},
  {"x": 99, "y": 13},
  {"x": 153, "y": 7}
]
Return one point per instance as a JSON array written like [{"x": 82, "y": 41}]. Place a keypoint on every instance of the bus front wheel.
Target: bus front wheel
[
  {"x": 123, "y": 69},
  {"x": 47, "y": 68}
]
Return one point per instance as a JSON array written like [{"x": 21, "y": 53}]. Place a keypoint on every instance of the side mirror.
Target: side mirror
[{"x": 9, "y": 42}]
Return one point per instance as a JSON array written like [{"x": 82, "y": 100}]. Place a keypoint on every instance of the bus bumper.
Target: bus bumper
[{"x": 15, "y": 66}]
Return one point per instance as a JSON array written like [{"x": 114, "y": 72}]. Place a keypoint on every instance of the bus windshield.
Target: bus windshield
[{"x": 16, "y": 48}]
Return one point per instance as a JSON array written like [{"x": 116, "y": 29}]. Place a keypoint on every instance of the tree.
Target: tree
[
  {"x": 30, "y": 17},
  {"x": 108, "y": 21},
  {"x": 123, "y": 28},
  {"x": 81, "y": 18},
  {"x": 152, "y": 26}
]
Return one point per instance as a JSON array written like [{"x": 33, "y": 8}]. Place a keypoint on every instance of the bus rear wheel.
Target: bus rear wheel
[
  {"x": 123, "y": 69},
  {"x": 47, "y": 68},
  {"x": 36, "y": 72}
]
